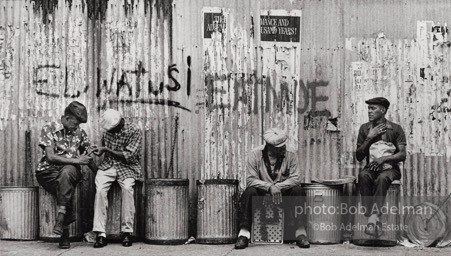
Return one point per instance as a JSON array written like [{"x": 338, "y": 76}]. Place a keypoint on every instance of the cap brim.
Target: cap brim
[{"x": 281, "y": 144}]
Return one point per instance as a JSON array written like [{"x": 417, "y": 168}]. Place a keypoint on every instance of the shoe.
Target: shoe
[
  {"x": 58, "y": 228},
  {"x": 127, "y": 240},
  {"x": 100, "y": 242},
  {"x": 379, "y": 230},
  {"x": 302, "y": 241},
  {"x": 64, "y": 240},
  {"x": 371, "y": 229},
  {"x": 242, "y": 243}
]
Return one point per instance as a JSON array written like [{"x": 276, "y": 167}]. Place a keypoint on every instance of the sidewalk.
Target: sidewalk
[{"x": 82, "y": 248}]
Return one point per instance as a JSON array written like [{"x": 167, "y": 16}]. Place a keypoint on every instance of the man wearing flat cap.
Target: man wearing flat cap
[
  {"x": 383, "y": 144},
  {"x": 272, "y": 170},
  {"x": 65, "y": 149},
  {"x": 121, "y": 144}
]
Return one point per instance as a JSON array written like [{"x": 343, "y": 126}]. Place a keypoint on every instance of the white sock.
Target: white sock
[
  {"x": 103, "y": 234},
  {"x": 300, "y": 231},
  {"x": 244, "y": 232},
  {"x": 62, "y": 209}
]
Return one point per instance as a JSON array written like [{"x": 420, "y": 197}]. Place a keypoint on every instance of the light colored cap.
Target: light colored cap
[
  {"x": 110, "y": 119},
  {"x": 275, "y": 137}
]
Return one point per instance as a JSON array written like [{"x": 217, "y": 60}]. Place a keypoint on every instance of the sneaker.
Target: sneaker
[{"x": 242, "y": 243}]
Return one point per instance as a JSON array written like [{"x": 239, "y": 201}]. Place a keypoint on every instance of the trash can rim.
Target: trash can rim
[
  {"x": 217, "y": 181},
  {"x": 167, "y": 182}
]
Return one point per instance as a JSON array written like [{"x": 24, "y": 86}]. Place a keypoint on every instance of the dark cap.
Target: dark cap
[
  {"x": 78, "y": 110},
  {"x": 379, "y": 101}
]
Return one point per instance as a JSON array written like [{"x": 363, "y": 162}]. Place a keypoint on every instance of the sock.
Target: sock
[
  {"x": 102, "y": 234},
  {"x": 244, "y": 232},
  {"x": 300, "y": 231}
]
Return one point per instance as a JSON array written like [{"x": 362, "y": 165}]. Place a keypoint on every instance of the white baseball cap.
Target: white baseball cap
[
  {"x": 110, "y": 119},
  {"x": 276, "y": 137}
]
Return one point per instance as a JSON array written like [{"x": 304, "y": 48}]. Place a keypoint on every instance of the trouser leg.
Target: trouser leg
[
  {"x": 381, "y": 186},
  {"x": 104, "y": 180},
  {"x": 366, "y": 188},
  {"x": 245, "y": 206},
  {"x": 295, "y": 220},
  {"x": 62, "y": 183},
  {"x": 128, "y": 205}
]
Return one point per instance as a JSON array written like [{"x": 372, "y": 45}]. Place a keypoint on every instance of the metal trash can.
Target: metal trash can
[
  {"x": 217, "y": 211},
  {"x": 390, "y": 222},
  {"x": 113, "y": 222},
  {"x": 322, "y": 209},
  {"x": 19, "y": 213},
  {"x": 48, "y": 210},
  {"x": 166, "y": 211}
]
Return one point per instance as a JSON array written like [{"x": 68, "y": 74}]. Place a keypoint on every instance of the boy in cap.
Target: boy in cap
[
  {"x": 271, "y": 169},
  {"x": 65, "y": 148},
  {"x": 378, "y": 174},
  {"x": 121, "y": 144}
]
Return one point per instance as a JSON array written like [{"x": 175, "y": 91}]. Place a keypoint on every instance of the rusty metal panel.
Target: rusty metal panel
[
  {"x": 294, "y": 86},
  {"x": 104, "y": 54},
  {"x": 414, "y": 75}
]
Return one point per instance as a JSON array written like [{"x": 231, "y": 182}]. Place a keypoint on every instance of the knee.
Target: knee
[
  {"x": 250, "y": 191},
  {"x": 365, "y": 176},
  {"x": 383, "y": 179},
  {"x": 70, "y": 173},
  {"x": 128, "y": 189},
  {"x": 297, "y": 191},
  {"x": 102, "y": 192}
]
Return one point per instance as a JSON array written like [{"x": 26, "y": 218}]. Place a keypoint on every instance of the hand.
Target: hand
[
  {"x": 375, "y": 131},
  {"x": 276, "y": 194},
  {"x": 84, "y": 159},
  {"x": 374, "y": 165},
  {"x": 98, "y": 150}
]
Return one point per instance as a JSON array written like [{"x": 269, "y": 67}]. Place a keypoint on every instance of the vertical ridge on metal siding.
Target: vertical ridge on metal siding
[{"x": 397, "y": 58}]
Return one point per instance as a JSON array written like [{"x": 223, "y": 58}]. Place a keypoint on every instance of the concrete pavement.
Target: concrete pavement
[{"x": 139, "y": 248}]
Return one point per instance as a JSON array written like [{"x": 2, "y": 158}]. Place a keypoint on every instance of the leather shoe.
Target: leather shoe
[
  {"x": 58, "y": 228},
  {"x": 302, "y": 241},
  {"x": 64, "y": 240},
  {"x": 127, "y": 240},
  {"x": 242, "y": 242},
  {"x": 100, "y": 242}
]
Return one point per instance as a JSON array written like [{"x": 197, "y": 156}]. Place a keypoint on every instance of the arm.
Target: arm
[
  {"x": 294, "y": 176},
  {"x": 253, "y": 178},
  {"x": 56, "y": 159},
  {"x": 364, "y": 143},
  {"x": 398, "y": 157},
  {"x": 131, "y": 149}
]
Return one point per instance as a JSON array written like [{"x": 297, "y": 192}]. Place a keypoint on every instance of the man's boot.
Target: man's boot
[
  {"x": 58, "y": 228},
  {"x": 64, "y": 239}
]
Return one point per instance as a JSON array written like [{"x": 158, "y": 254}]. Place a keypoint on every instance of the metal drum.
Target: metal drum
[
  {"x": 217, "y": 211},
  {"x": 390, "y": 222},
  {"x": 19, "y": 213},
  {"x": 166, "y": 211},
  {"x": 48, "y": 210},
  {"x": 113, "y": 223},
  {"x": 322, "y": 209}
]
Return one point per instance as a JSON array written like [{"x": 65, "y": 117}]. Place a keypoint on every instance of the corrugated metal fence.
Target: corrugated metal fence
[{"x": 204, "y": 81}]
